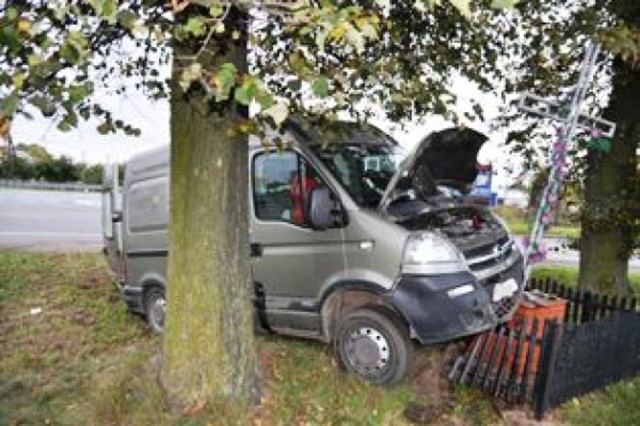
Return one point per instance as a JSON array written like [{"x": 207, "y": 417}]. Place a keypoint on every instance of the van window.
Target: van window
[
  {"x": 363, "y": 169},
  {"x": 282, "y": 185}
]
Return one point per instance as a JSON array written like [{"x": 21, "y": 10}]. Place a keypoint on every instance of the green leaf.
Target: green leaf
[
  {"x": 463, "y": 7},
  {"x": 127, "y": 19},
  {"x": 44, "y": 104},
  {"x": 320, "y": 87},
  {"x": 77, "y": 93},
  {"x": 196, "y": 26},
  {"x": 216, "y": 11},
  {"x": 503, "y": 4},
  {"x": 107, "y": 9},
  {"x": 247, "y": 91},
  {"x": 225, "y": 80},
  {"x": 9, "y": 105},
  {"x": 294, "y": 85},
  {"x": 265, "y": 99}
]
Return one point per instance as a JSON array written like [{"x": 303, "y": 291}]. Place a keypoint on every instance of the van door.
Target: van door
[
  {"x": 112, "y": 220},
  {"x": 291, "y": 261}
]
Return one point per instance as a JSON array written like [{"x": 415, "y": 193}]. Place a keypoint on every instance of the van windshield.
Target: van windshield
[{"x": 363, "y": 169}]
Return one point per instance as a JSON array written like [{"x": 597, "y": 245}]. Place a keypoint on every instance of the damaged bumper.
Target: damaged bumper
[{"x": 445, "y": 307}]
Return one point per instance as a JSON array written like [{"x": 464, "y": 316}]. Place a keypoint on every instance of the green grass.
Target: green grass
[
  {"x": 524, "y": 228},
  {"x": 568, "y": 275},
  {"x": 520, "y": 222},
  {"x": 70, "y": 353},
  {"x": 616, "y": 405}
]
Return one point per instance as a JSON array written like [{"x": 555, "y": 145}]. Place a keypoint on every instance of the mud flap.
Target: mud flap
[{"x": 261, "y": 307}]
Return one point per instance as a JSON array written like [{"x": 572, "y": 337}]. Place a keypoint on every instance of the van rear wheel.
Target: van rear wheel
[
  {"x": 374, "y": 343},
  {"x": 154, "y": 304}
]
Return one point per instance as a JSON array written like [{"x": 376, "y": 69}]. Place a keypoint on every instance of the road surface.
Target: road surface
[{"x": 42, "y": 220}]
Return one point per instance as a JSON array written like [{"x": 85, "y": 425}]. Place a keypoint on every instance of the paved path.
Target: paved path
[
  {"x": 40, "y": 220},
  {"x": 558, "y": 253}
]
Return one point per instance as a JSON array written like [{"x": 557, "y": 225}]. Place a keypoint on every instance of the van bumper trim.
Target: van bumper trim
[
  {"x": 148, "y": 253},
  {"x": 436, "y": 317}
]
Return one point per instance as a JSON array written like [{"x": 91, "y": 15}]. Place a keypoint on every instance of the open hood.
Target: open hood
[{"x": 447, "y": 157}]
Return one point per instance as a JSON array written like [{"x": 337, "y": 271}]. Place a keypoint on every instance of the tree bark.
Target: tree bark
[
  {"x": 209, "y": 351},
  {"x": 608, "y": 222}
]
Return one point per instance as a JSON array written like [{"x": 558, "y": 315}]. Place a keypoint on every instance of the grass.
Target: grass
[
  {"x": 520, "y": 221},
  {"x": 616, "y": 405},
  {"x": 568, "y": 275},
  {"x": 70, "y": 353},
  {"x": 524, "y": 228}
]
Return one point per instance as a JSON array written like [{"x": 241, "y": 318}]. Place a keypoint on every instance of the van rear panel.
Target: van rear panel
[{"x": 146, "y": 219}]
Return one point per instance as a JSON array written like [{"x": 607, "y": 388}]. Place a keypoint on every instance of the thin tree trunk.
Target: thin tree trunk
[{"x": 209, "y": 352}]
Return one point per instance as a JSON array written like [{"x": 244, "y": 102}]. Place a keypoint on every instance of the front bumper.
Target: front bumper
[{"x": 435, "y": 316}]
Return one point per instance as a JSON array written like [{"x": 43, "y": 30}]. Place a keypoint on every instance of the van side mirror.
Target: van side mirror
[{"x": 321, "y": 209}]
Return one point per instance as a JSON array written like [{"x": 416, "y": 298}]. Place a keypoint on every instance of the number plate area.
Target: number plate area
[{"x": 504, "y": 289}]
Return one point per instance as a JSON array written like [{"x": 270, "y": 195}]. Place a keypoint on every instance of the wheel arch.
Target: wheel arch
[{"x": 347, "y": 296}]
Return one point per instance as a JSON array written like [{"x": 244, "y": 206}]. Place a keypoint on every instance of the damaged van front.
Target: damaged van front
[{"x": 461, "y": 271}]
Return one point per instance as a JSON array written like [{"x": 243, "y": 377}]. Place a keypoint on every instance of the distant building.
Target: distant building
[{"x": 513, "y": 197}]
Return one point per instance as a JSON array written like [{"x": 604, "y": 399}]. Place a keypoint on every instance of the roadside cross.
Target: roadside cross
[{"x": 571, "y": 119}]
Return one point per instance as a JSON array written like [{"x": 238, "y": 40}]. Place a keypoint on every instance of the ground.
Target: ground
[{"x": 71, "y": 354}]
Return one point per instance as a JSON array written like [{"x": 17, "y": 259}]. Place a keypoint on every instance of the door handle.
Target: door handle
[{"x": 256, "y": 249}]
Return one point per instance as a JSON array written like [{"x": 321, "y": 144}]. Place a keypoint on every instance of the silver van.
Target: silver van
[{"x": 353, "y": 242}]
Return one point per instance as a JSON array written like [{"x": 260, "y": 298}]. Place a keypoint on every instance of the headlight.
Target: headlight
[{"x": 429, "y": 253}]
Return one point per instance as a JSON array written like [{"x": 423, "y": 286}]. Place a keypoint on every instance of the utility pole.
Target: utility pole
[{"x": 571, "y": 119}]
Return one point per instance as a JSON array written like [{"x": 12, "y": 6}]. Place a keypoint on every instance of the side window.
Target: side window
[{"x": 282, "y": 185}]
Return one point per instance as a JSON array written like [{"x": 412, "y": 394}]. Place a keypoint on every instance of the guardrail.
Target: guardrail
[{"x": 49, "y": 186}]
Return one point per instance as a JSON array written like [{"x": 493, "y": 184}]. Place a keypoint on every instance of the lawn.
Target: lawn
[
  {"x": 71, "y": 354},
  {"x": 568, "y": 275},
  {"x": 520, "y": 222}
]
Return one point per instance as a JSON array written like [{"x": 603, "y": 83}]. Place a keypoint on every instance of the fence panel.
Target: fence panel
[{"x": 588, "y": 356}]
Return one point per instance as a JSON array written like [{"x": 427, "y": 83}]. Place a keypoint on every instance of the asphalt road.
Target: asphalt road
[{"x": 42, "y": 220}]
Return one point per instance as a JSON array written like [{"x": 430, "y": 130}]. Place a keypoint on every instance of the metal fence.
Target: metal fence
[
  {"x": 548, "y": 362},
  {"x": 49, "y": 186},
  {"x": 584, "y": 306}
]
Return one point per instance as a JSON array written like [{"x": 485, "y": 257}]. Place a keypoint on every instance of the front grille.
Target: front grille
[
  {"x": 485, "y": 249},
  {"x": 492, "y": 261}
]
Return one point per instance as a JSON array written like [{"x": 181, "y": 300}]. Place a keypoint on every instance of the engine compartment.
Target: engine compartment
[{"x": 468, "y": 227}]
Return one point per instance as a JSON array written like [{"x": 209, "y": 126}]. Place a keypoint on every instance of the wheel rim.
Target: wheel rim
[
  {"x": 156, "y": 312},
  {"x": 368, "y": 351}
]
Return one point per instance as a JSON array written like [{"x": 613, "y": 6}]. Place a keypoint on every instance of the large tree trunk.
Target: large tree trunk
[
  {"x": 209, "y": 352},
  {"x": 611, "y": 193}
]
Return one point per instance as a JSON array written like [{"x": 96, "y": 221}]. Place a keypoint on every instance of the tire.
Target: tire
[
  {"x": 154, "y": 304},
  {"x": 374, "y": 343}
]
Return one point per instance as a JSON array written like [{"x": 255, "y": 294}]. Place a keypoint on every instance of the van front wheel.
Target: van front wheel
[
  {"x": 154, "y": 304},
  {"x": 374, "y": 343}
]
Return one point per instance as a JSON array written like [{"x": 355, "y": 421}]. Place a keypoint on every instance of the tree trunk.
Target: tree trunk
[
  {"x": 209, "y": 352},
  {"x": 611, "y": 193}
]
